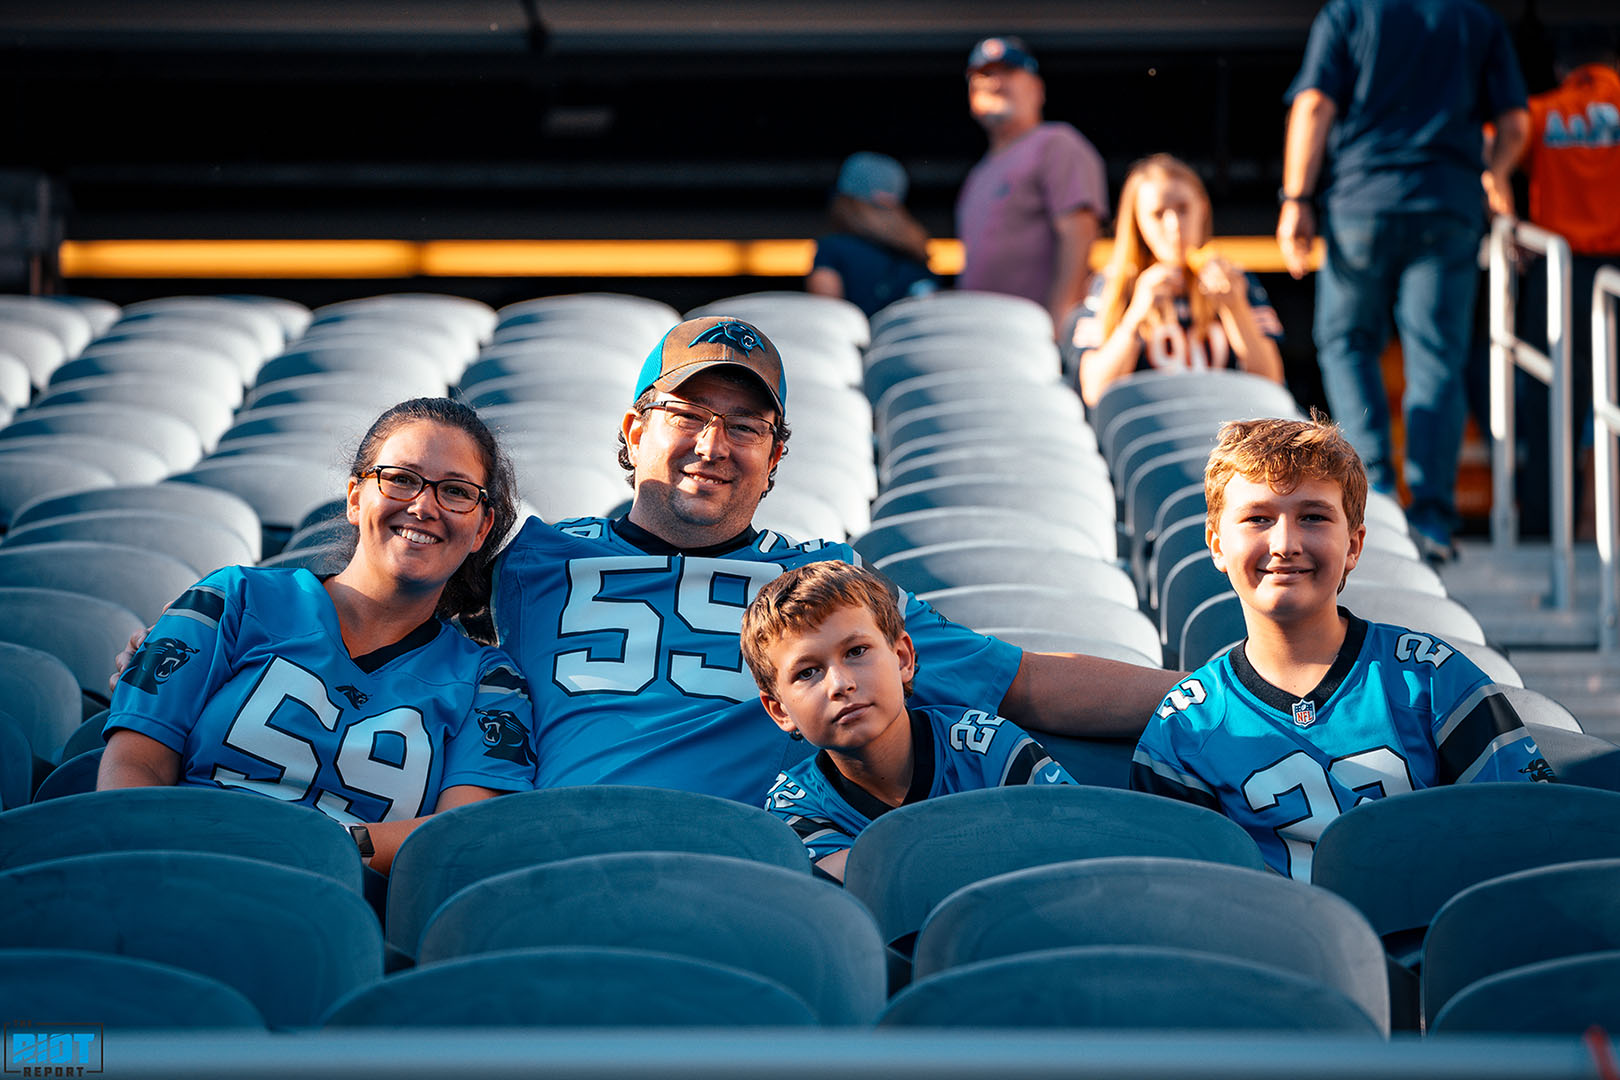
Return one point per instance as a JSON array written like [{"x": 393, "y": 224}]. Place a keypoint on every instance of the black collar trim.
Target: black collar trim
[
  {"x": 373, "y": 661},
  {"x": 870, "y": 806},
  {"x": 1354, "y": 636},
  {"x": 655, "y": 545}
]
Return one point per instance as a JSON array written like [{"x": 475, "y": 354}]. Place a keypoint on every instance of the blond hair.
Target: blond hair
[
  {"x": 801, "y": 600},
  {"x": 1282, "y": 453},
  {"x": 1132, "y": 255}
]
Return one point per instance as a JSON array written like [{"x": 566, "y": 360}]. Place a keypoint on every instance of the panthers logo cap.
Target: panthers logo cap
[
  {"x": 1006, "y": 49},
  {"x": 713, "y": 341}
]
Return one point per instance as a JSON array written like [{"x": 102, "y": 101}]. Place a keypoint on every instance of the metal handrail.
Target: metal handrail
[
  {"x": 1606, "y": 431},
  {"x": 1551, "y": 367}
]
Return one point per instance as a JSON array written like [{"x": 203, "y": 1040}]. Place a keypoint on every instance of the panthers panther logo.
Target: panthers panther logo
[
  {"x": 504, "y": 737},
  {"x": 156, "y": 661},
  {"x": 738, "y": 335}
]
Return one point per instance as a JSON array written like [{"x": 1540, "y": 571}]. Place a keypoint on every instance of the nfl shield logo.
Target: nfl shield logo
[{"x": 1304, "y": 713}]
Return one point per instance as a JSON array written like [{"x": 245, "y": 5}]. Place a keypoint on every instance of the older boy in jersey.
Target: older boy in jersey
[
  {"x": 834, "y": 664},
  {"x": 1316, "y": 709}
]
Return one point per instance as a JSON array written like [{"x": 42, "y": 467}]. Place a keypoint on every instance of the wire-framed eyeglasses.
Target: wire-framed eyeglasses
[
  {"x": 694, "y": 420},
  {"x": 402, "y": 484}
]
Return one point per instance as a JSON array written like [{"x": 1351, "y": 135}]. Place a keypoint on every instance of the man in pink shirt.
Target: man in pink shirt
[{"x": 1031, "y": 207}]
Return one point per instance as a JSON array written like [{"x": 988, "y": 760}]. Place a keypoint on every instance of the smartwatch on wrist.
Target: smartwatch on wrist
[
  {"x": 1284, "y": 198},
  {"x": 362, "y": 840}
]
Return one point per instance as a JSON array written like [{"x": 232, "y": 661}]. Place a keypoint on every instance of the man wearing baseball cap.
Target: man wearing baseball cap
[
  {"x": 1031, "y": 207},
  {"x": 627, "y": 629}
]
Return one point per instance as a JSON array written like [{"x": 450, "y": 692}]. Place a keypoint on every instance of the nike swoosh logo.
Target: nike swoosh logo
[{"x": 1052, "y": 777}]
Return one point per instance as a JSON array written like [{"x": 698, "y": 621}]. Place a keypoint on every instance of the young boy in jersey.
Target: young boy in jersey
[
  {"x": 834, "y": 664},
  {"x": 1316, "y": 709}
]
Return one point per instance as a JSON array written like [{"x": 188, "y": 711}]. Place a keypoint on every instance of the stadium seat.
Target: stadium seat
[
  {"x": 476, "y": 317},
  {"x": 207, "y": 414},
  {"x": 1400, "y": 859},
  {"x": 985, "y": 562},
  {"x": 189, "y": 499},
  {"x": 1094, "y": 762},
  {"x": 447, "y": 347},
  {"x": 1425, "y": 613},
  {"x": 1126, "y": 987},
  {"x": 1014, "y": 314},
  {"x": 920, "y": 528},
  {"x": 1542, "y": 711},
  {"x": 801, "y": 515},
  {"x": 292, "y": 942},
  {"x": 142, "y": 580},
  {"x": 362, "y": 393},
  {"x": 1380, "y": 566},
  {"x": 237, "y": 345},
  {"x": 1144, "y": 448},
  {"x": 377, "y": 361},
  {"x": 965, "y": 386},
  {"x": 1491, "y": 662},
  {"x": 69, "y": 326},
  {"x": 125, "y": 461},
  {"x": 1035, "y": 639},
  {"x": 26, "y": 478},
  {"x": 568, "y": 489},
  {"x": 321, "y": 559},
  {"x": 16, "y": 384},
  {"x": 1567, "y": 996},
  {"x": 807, "y": 934},
  {"x": 263, "y": 325},
  {"x": 217, "y": 375},
  {"x": 280, "y": 488},
  {"x": 1092, "y": 512},
  {"x": 121, "y": 992},
  {"x": 1578, "y": 758},
  {"x": 1250, "y": 914},
  {"x": 41, "y": 696},
  {"x": 203, "y": 543},
  {"x": 328, "y": 532},
  {"x": 547, "y": 355},
  {"x": 998, "y": 441},
  {"x": 86, "y": 737},
  {"x": 75, "y": 776},
  {"x": 1211, "y": 628},
  {"x": 1190, "y": 582},
  {"x": 846, "y": 489},
  {"x": 1070, "y": 611},
  {"x": 84, "y": 632},
  {"x": 181, "y": 818},
  {"x": 324, "y": 425},
  {"x": 1177, "y": 541},
  {"x": 16, "y": 764},
  {"x": 573, "y": 988},
  {"x": 1038, "y": 407},
  {"x": 789, "y": 310},
  {"x": 1184, "y": 502},
  {"x": 1248, "y": 395},
  {"x": 1526, "y": 917},
  {"x": 454, "y": 849},
  {"x": 889, "y": 365},
  {"x": 39, "y": 349},
  {"x": 1156, "y": 417},
  {"x": 1011, "y": 454},
  {"x": 1154, "y": 481},
  {"x": 587, "y": 336},
  {"x": 101, "y": 313},
  {"x": 292, "y": 316},
  {"x": 911, "y": 858}
]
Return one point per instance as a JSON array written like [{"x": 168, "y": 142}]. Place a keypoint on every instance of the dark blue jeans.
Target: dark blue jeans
[{"x": 1420, "y": 269}]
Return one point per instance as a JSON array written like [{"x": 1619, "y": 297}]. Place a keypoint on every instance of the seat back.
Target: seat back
[
  {"x": 1126, "y": 987},
  {"x": 911, "y": 858},
  {"x": 181, "y": 819},
  {"x": 290, "y": 941},
  {"x": 119, "y": 991},
  {"x": 454, "y": 849},
  {"x": 1234, "y": 911},
  {"x": 573, "y": 988},
  {"x": 806, "y": 934}
]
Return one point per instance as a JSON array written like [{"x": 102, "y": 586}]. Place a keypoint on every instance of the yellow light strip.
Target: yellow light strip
[{"x": 205, "y": 259}]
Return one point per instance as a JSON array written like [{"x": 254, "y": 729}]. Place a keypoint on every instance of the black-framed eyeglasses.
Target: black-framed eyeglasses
[
  {"x": 402, "y": 484},
  {"x": 694, "y": 420}
]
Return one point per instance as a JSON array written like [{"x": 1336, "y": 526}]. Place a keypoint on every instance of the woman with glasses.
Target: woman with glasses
[
  {"x": 354, "y": 694},
  {"x": 1165, "y": 302}
]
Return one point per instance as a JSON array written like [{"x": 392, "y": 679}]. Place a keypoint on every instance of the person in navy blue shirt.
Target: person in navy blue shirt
[
  {"x": 829, "y": 650},
  {"x": 877, "y": 253},
  {"x": 1390, "y": 104}
]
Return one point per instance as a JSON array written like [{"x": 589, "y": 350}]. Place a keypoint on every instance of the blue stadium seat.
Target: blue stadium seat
[
  {"x": 1567, "y": 996},
  {"x": 1236, "y": 392},
  {"x": 1211, "y": 628},
  {"x": 1124, "y": 987},
  {"x": 28, "y": 477},
  {"x": 190, "y": 499},
  {"x": 573, "y": 988},
  {"x": 16, "y": 764},
  {"x": 454, "y": 849},
  {"x": 206, "y": 413},
  {"x": 290, "y": 941},
  {"x": 911, "y": 858},
  {"x": 987, "y": 562},
  {"x": 75, "y": 776},
  {"x": 159, "y": 361},
  {"x": 806, "y": 934},
  {"x": 42, "y": 697},
  {"x": 171, "y": 438},
  {"x": 920, "y": 528},
  {"x": 86, "y": 737},
  {"x": 1400, "y": 859},
  {"x": 84, "y": 632},
  {"x": 205, "y": 543},
  {"x": 1403, "y": 606},
  {"x": 1517, "y": 919},
  {"x": 1249, "y": 914},
  {"x": 182, "y": 818},
  {"x": 1069, "y": 611},
  {"x": 142, "y": 580},
  {"x": 120, "y": 992}
]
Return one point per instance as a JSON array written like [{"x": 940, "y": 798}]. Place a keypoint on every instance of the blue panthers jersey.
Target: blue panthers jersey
[
  {"x": 955, "y": 749},
  {"x": 1397, "y": 711},
  {"x": 631, "y": 648},
  {"x": 247, "y": 678}
]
